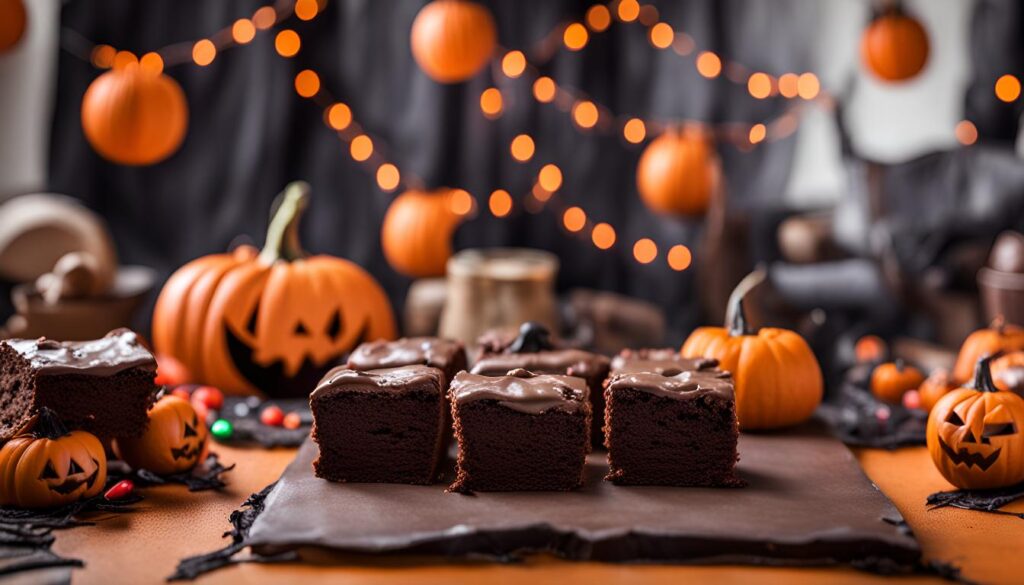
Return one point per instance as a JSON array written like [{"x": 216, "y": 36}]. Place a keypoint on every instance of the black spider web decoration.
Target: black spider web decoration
[{"x": 990, "y": 501}]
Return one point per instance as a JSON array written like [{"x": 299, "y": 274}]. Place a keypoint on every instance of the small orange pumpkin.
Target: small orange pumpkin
[
  {"x": 273, "y": 320},
  {"x": 1008, "y": 372},
  {"x": 777, "y": 378},
  {"x": 174, "y": 441},
  {"x": 677, "y": 172},
  {"x": 894, "y": 46},
  {"x": 417, "y": 232},
  {"x": 975, "y": 435},
  {"x": 133, "y": 115},
  {"x": 889, "y": 381},
  {"x": 998, "y": 337},
  {"x": 452, "y": 40},
  {"x": 13, "y": 19},
  {"x": 935, "y": 386},
  {"x": 50, "y": 467}
]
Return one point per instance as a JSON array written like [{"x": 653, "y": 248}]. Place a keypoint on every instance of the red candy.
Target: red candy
[
  {"x": 119, "y": 490},
  {"x": 181, "y": 392},
  {"x": 272, "y": 416},
  {"x": 912, "y": 399},
  {"x": 292, "y": 421},
  {"x": 208, "y": 396}
]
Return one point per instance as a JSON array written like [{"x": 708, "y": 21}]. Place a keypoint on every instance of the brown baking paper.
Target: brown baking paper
[{"x": 806, "y": 502}]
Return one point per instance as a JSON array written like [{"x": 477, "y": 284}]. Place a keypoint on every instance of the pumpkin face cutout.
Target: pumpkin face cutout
[
  {"x": 51, "y": 467},
  {"x": 274, "y": 320},
  {"x": 174, "y": 441},
  {"x": 974, "y": 435}
]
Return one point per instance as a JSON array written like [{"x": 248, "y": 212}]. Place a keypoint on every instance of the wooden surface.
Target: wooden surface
[{"x": 144, "y": 546}]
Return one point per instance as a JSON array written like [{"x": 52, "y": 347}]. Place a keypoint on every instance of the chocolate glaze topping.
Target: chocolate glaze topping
[
  {"x": 382, "y": 379},
  {"x": 659, "y": 361},
  {"x": 574, "y": 362},
  {"x": 431, "y": 351},
  {"x": 522, "y": 391},
  {"x": 682, "y": 386},
  {"x": 117, "y": 351}
]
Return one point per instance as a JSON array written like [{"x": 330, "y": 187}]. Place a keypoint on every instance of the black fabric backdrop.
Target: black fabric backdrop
[{"x": 249, "y": 133}]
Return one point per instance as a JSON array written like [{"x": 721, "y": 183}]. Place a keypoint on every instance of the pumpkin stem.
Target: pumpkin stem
[
  {"x": 999, "y": 324},
  {"x": 983, "y": 374},
  {"x": 735, "y": 316},
  {"x": 283, "y": 234},
  {"x": 900, "y": 364},
  {"x": 48, "y": 425}
]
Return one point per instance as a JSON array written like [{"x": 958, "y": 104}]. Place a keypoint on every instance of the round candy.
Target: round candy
[
  {"x": 272, "y": 416},
  {"x": 241, "y": 409},
  {"x": 292, "y": 421},
  {"x": 120, "y": 490},
  {"x": 254, "y": 401},
  {"x": 912, "y": 399},
  {"x": 222, "y": 429},
  {"x": 209, "y": 397}
]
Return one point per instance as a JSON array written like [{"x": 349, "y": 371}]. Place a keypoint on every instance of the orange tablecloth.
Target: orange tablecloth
[{"x": 144, "y": 546}]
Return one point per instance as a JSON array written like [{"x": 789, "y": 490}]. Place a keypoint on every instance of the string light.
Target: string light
[
  {"x": 123, "y": 59},
  {"x": 679, "y": 257},
  {"x": 966, "y": 132},
  {"x": 648, "y": 15},
  {"x": 575, "y": 36},
  {"x": 574, "y": 219},
  {"x": 361, "y": 147},
  {"x": 645, "y": 250},
  {"x": 662, "y": 35},
  {"x": 522, "y": 148},
  {"x": 634, "y": 131},
  {"x": 243, "y": 31},
  {"x": 540, "y": 194},
  {"x": 544, "y": 89},
  {"x": 598, "y": 18},
  {"x": 759, "y": 85},
  {"x": 307, "y": 83},
  {"x": 808, "y": 86},
  {"x": 550, "y": 178},
  {"x": 339, "y": 116},
  {"x": 628, "y": 10},
  {"x": 788, "y": 85},
  {"x": 603, "y": 236},
  {"x": 461, "y": 202},
  {"x": 585, "y": 114},
  {"x": 204, "y": 52},
  {"x": 287, "y": 43},
  {"x": 757, "y": 133},
  {"x": 709, "y": 64},
  {"x": 513, "y": 64},
  {"x": 264, "y": 17},
  {"x": 102, "y": 56},
  {"x": 1008, "y": 88},
  {"x": 388, "y": 177},
  {"x": 306, "y": 9},
  {"x": 491, "y": 102},
  {"x": 152, "y": 62},
  {"x": 500, "y": 203}
]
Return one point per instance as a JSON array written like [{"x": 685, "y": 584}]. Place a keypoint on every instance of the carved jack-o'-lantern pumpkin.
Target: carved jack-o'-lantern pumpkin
[
  {"x": 174, "y": 441},
  {"x": 975, "y": 434},
  {"x": 889, "y": 381},
  {"x": 274, "y": 320},
  {"x": 50, "y": 466}
]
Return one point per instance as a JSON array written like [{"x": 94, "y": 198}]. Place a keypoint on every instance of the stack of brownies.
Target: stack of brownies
[{"x": 525, "y": 416}]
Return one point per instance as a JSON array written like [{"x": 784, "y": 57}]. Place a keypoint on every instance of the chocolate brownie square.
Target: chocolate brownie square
[
  {"x": 657, "y": 360},
  {"x": 444, "y": 354},
  {"x": 380, "y": 426},
  {"x": 522, "y": 431},
  {"x": 104, "y": 386},
  {"x": 677, "y": 430}
]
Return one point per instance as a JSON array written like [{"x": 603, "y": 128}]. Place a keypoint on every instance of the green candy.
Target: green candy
[{"x": 222, "y": 429}]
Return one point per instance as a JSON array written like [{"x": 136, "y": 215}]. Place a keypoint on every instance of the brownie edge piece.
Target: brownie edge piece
[
  {"x": 520, "y": 432},
  {"x": 674, "y": 430},
  {"x": 104, "y": 386},
  {"x": 444, "y": 354},
  {"x": 380, "y": 426}
]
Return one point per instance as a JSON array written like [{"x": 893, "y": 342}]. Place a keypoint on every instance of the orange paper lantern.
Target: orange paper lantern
[
  {"x": 452, "y": 40},
  {"x": 417, "y": 232},
  {"x": 894, "y": 47},
  {"x": 677, "y": 172},
  {"x": 12, "y": 23},
  {"x": 134, "y": 116}
]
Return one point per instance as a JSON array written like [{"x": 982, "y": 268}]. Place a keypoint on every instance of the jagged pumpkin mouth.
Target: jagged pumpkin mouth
[
  {"x": 186, "y": 452},
  {"x": 962, "y": 456}
]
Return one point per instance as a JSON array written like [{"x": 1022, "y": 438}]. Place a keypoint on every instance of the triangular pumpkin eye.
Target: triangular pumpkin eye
[
  {"x": 74, "y": 468},
  {"x": 300, "y": 329},
  {"x": 49, "y": 472},
  {"x": 251, "y": 325},
  {"x": 954, "y": 419},
  {"x": 334, "y": 327},
  {"x": 190, "y": 431},
  {"x": 999, "y": 430}
]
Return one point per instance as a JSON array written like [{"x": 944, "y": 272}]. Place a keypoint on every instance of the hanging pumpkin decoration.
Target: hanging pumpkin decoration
[
  {"x": 889, "y": 381},
  {"x": 417, "y": 232},
  {"x": 13, "y": 20},
  {"x": 935, "y": 386},
  {"x": 134, "y": 115},
  {"x": 677, "y": 172},
  {"x": 273, "y": 320},
  {"x": 175, "y": 439},
  {"x": 975, "y": 434},
  {"x": 894, "y": 46},
  {"x": 777, "y": 379},
  {"x": 998, "y": 337},
  {"x": 452, "y": 40},
  {"x": 50, "y": 467},
  {"x": 1008, "y": 372}
]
